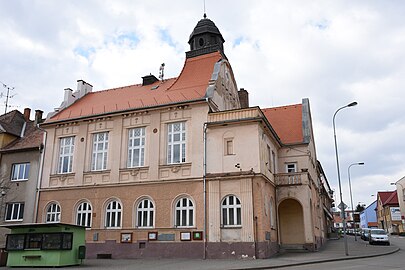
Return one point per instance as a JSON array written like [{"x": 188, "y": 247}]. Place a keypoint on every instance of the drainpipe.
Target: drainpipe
[
  {"x": 40, "y": 171},
  {"x": 205, "y": 188}
]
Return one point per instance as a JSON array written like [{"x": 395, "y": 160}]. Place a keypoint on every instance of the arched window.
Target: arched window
[
  {"x": 83, "y": 214},
  {"x": 53, "y": 213},
  {"x": 231, "y": 211},
  {"x": 145, "y": 214},
  {"x": 184, "y": 213},
  {"x": 113, "y": 214}
]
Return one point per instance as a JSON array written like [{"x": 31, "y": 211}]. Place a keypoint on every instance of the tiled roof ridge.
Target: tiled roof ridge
[
  {"x": 281, "y": 107},
  {"x": 192, "y": 60},
  {"x": 127, "y": 86},
  {"x": 5, "y": 116}
]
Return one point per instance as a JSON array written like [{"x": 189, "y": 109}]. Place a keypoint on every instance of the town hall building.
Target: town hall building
[{"x": 184, "y": 167}]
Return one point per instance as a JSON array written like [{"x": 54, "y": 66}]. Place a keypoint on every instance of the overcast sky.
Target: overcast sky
[{"x": 332, "y": 52}]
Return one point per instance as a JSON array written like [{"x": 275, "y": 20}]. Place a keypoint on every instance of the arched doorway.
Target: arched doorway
[{"x": 291, "y": 220}]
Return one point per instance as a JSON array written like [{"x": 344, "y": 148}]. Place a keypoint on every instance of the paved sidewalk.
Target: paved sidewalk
[{"x": 333, "y": 250}]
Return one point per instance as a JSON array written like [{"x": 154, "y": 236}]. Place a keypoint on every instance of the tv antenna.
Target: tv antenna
[{"x": 8, "y": 95}]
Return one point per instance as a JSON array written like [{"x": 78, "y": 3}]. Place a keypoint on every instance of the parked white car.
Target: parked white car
[{"x": 378, "y": 236}]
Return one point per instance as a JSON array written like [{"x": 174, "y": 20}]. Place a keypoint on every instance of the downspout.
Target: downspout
[
  {"x": 40, "y": 171},
  {"x": 205, "y": 188}
]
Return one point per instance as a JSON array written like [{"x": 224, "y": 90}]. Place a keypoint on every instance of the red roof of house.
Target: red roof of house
[
  {"x": 388, "y": 197},
  {"x": 287, "y": 122},
  {"x": 191, "y": 84}
]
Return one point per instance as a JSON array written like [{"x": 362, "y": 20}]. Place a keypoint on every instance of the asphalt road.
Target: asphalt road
[{"x": 392, "y": 262}]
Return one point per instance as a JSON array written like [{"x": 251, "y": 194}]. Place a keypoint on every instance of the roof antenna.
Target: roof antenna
[{"x": 205, "y": 14}]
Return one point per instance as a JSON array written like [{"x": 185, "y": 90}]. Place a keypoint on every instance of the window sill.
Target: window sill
[
  {"x": 97, "y": 172},
  {"x": 18, "y": 180},
  {"x": 175, "y": 164},
  {"x": 231, "y": 227}
]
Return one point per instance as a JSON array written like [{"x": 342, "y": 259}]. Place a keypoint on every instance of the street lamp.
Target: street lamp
[
  {"x": 351, "y": 196},
  {"x": 342, "y": 208}
]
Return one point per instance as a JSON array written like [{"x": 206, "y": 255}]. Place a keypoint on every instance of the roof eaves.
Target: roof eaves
[{"x": 81, "y": 118}]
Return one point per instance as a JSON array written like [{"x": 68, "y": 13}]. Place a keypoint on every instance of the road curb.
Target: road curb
[{"x": 318, "y": 261}]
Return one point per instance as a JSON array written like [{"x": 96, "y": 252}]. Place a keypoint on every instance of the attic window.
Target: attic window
[{"x": 155, "y": 87}]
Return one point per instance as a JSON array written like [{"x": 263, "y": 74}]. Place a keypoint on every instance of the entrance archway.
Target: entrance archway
[{"x": 291, "y": 220}]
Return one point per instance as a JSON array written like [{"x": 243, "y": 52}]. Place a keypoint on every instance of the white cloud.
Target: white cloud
[{"x": 332, "y": 52}]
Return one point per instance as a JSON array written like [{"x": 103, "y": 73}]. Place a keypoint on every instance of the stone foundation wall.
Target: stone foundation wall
[{"x": 192, "y": 250}]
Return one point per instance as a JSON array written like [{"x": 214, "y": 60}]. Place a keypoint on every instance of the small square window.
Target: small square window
[{"x": 291, "y": 167}]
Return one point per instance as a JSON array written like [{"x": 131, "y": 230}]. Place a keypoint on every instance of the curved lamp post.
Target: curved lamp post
[
  {"x": 342, "y": 210},
  {"x": 351, "y": 196}
]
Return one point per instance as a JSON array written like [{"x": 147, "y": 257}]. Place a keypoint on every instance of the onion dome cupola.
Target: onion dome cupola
[{"x": 205, "y": 39}]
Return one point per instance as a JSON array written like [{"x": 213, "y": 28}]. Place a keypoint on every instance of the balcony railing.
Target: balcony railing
[{"x": 289, "y": 179}]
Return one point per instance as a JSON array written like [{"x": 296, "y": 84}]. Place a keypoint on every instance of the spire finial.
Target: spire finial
[{"x": 205, "y": 14}]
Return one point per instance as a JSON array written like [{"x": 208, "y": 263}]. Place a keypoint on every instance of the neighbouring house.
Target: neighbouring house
[
  {"x": 21, "y": 145},
  {"x": 183, "y": 167},
  {"x": 388, "y": 213},
  {"x": 401, "y": 200},
  {"x": 368, "y": 217}
]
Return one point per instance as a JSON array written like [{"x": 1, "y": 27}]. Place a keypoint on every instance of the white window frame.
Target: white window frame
[
  {"x": 231, "y": 211},
  {"x": 53, "y": 213},
  {"x": 113, "y": 215},
  {"x": 99, "y": 156},
  {"x": 173, "y": 142},
  {"x": 136, "y": 135},
  {"x": 184, "y": 213},
  {"x": 84, "y": 214},
  {"x": 289, "y": 169},
  {"x": 17, "y": 212},
  {"x": 19, "y": 168},
  {"x": 145, "y": 214},
  {"x": 66, "y": 149}
]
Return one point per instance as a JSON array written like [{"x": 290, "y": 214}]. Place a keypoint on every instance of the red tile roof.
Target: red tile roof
[
  {"x": 388, "y": 197},
  {"x": 190, "y": 85},
  {"x": 32, "y": 139},
  {"x": 287, "y": 122}
]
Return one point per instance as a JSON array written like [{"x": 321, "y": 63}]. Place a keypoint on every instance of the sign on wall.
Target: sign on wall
[{"x": 395, "y": 214}]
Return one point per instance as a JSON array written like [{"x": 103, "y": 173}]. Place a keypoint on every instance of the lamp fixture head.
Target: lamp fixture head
[{"x": 354, "y": 103}]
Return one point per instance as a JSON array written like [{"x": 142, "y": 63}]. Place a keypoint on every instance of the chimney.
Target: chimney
[
  {"x": 83, "y": 88},
  {"x": 243, "y": 98},
  {"x": 27, "y": 112},
  {"x": 38, "y": 117},
  {"x": 149, "y": 79}
]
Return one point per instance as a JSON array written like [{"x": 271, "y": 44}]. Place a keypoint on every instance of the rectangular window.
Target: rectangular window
[
  {"x": 269, "y": 158},
  {"x": 176, "y": 143},
  {"x": 66, "y": 148},
  {"x": 291, "y": 167},
  {"x": 136, "y": 147},
  {"x": 15, "y": 242},
  {"x": 14, "y": 211},
  {"x": 273, "y": 156},
  {"x": 20, "y": 171},
  {"x": 100, "y": 150},
  {"x": 33, "y": 241},
  {"x": 228, "y": 147}
]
